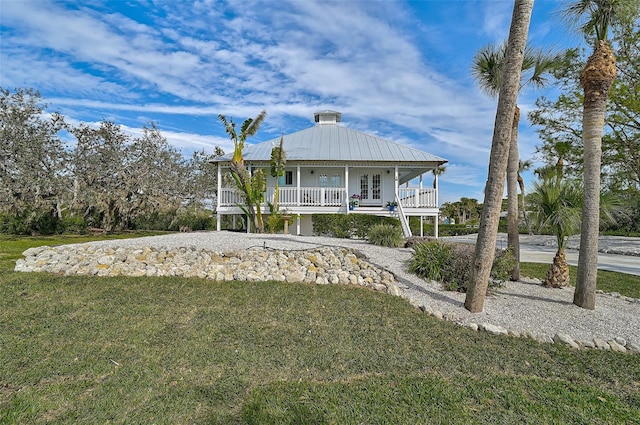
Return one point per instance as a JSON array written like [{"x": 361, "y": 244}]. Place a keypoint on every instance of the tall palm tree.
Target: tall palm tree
[
  {"x": 509, "y": 87},
  {"x": 593, "y": 18},
  {"x": 557, "y": 206},
  {"x": 252, "y": 189},
  {"x": 487, "y": 69}
]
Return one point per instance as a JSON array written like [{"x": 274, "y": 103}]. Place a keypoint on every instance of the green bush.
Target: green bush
[
  {"x": 194, "y": 220},
  {"x": 157, "y": 220},
  {"x": 174, "y": 220},
  {"x": 429, "y": 259},
  {"x": 386, "y": 235},
  {"x": 75, "y": 225},
  {"x": 503, "y": 264},
  {"x": 348, "y": 225},
  {"x": 31, "y": 222},
  {"x": 451, "y": 264},
  {"x": 275, "y": 223}
]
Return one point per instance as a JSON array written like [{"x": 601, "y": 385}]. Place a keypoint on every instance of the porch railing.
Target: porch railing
[
  {"x": 306, "y": 196},
  {"x": 328, "y": 196},
  {"x": 417, "y": 198}
]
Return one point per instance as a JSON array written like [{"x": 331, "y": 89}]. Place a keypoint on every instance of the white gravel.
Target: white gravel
[{"x": 521, "y": 307}]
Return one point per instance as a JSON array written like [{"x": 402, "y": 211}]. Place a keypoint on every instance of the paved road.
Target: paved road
[
  {"x": 617, "y": 263},
  {"x": 535, "y": 253}
]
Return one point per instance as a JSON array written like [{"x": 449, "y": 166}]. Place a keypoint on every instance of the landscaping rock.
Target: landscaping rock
[
  {"x": 601, "y": 344},
  {"x": 493, "y": 329},
  {"x": 335, "y": 265},
  {"x": 613, "y": 344}
]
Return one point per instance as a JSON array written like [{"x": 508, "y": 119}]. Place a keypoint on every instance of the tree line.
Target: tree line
[{"x": 57, "y": 177}]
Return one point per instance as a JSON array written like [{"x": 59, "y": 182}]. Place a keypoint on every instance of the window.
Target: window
[
  {"x": 335, "y": 180},
  {"x": 287, "y": 179},
  {"x": 364, "y": 186},
  {"x": 323, "y": 180},
  {"x": 375, "y": 186}
]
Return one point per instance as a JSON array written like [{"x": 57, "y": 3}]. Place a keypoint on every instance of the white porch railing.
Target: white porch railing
[
  {"x": 307, "y": 196},
  {"x": 417, "y": 198},
  {"x": 328, "y": 196}
]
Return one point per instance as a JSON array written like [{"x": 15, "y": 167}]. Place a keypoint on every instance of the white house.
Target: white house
[{"x": 327, "y": 164}]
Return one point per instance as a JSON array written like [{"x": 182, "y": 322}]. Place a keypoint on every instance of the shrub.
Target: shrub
[
  {"x": 31, "y": 222},
  {"x": 503, "y": 264},
  {"x": 75, "y": 225},
  {"x": 194, "y": 220},
  {"x": 415, "y": 240},
  {"x": 429, "y": 259},
  {"x": 386, "y": 235},
  {"x": 348, "y": 225},
  {"x": 451, "y": 264},
  {"x": 275, "y": 223}
]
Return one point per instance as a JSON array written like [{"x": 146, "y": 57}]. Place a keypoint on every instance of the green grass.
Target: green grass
[
  {"x": 91, "y": 350},
  {"x": 626, "y": 284}
]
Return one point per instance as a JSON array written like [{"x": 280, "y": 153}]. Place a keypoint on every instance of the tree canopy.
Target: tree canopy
[{"x": 54, "y": 175}]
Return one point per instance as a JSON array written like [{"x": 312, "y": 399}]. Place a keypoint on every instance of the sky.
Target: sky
[{"x": 397, "y": 69}]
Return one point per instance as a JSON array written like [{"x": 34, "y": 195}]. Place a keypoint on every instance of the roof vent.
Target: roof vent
[{"x": 327, "y": 117}]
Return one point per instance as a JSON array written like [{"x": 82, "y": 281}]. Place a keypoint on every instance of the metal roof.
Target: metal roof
[{"x": 332, "y": 142}]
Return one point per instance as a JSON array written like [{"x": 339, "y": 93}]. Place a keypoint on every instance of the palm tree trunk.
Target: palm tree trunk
[
  {"x": 513, "y": 231},
  {"x": 558, "y": 273},
  {"x": 488, "y": 232},
  {"x": 596, "y": 79},
  {"x": 523, "y": 204}
]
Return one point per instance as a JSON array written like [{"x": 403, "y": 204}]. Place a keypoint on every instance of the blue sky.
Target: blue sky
[{"x": 396, "y": 69}]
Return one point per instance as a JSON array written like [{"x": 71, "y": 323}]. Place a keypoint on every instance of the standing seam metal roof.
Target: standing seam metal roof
[{"x": 332, "y": 142}]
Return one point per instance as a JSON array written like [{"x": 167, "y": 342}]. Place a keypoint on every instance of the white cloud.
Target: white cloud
[{"x": 293, "y": 58}]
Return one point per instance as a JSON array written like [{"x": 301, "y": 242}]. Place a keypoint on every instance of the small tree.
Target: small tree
[
  {"x": 278, "y": 161},
  {"x": 251, "y": 186},
  {"x": 557, "y": 206}
]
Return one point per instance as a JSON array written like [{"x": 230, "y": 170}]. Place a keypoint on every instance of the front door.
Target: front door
[{"x": 371, "y": 189}]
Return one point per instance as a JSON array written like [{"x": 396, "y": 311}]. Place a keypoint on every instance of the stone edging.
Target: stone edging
[{"x": 617, "y": 344}]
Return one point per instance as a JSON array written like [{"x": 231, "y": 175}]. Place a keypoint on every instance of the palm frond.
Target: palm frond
[
  {"x": 594, "y": 17},
  {"x": 229, "y": 125},
  {"x": 487, "y": 67},
  {"x": 251, "y": 125}
]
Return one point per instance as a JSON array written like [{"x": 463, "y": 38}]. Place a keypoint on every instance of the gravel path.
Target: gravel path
[{"x": 519, "y": 306}]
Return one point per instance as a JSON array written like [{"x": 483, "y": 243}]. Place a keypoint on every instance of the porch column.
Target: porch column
[
  {"x": 396, "y": 178},
  {"x": 346, "y": 187},
  {"x": 435, "y": 179},
  {"x": 298, "y": 191},
  {"x": 218, "y": 217},
  {"x": 435, "y": 224}
]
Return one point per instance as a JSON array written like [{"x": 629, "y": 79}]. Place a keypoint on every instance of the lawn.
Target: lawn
[
  {"x": 183, "y": 351},
  {"x": 625, "y": 284}
]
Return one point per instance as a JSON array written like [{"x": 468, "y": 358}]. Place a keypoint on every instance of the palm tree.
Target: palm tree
[
  {"x": 487, "y": 69},
  {"x": 251, "y": 186},
  {"x": 594, "y": 17},
  {"x": 556, "y": 206},
  {"x": 509, "y": 87},
  {"x": 438, "y": 171}
]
